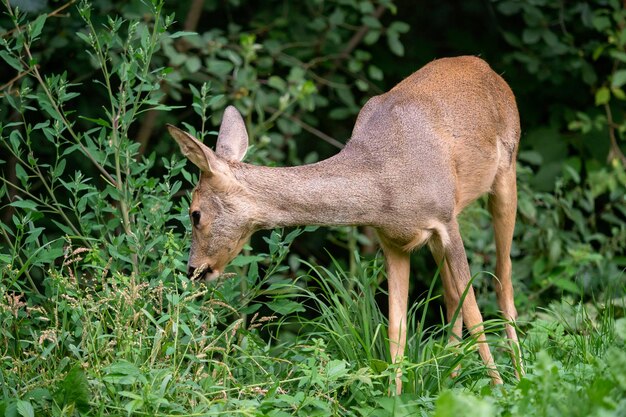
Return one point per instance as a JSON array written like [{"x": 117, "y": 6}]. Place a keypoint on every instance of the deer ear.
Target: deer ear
[
  {"x": 193, "y": 149},
  {"x": 232, "y": 140}
]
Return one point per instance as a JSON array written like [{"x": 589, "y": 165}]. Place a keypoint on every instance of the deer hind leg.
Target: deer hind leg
[
  {"x": 503, "y": 208},
  {"x": 398, "y": 263},
  {"x": 460, "y": 276},
  {"x": 451, "y": 296}
]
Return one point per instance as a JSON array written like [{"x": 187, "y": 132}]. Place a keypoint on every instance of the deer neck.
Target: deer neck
[{"x": 332, "y": 192}]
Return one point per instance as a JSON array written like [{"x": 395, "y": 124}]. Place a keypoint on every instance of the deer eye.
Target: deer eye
[{"x": 195, "y": 217}]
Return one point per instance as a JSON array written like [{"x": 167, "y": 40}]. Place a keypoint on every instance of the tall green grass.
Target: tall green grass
[
  {"x": 121, "y": 347},
  {"x": 349, "y": 315}
]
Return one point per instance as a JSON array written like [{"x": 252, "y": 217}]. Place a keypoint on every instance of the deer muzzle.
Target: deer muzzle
[{"x": 202, "y": 272}]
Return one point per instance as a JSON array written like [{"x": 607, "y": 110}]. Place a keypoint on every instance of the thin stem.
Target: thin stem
[
  {"x": 52, "y": 208},
  {"x": 13, "y": 245},
  {"x": 312, "y": 130},
  {"x": 56, "y": 202},
  {"x": 103, "y": 65},
  {"x": 615, "y": 152},
  {"x": 14, "y": 79}
]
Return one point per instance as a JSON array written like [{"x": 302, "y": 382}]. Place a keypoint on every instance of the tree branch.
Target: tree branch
[
  {"x": 359, "y": 35},
  {"x": 326, "y": 138},
  {"x": 193, "y": 15}
]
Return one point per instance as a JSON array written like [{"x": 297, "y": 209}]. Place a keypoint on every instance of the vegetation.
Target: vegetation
[{"x": 97, "y": 316}]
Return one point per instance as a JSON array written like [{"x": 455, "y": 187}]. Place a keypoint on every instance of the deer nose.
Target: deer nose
[{"x": 190, "y": 271}]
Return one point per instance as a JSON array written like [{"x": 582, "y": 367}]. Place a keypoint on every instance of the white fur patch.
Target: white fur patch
[{"x": 423, "y": 236}]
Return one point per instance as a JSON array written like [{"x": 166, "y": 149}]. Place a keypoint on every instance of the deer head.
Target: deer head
[{"x": 221, "y": 210}]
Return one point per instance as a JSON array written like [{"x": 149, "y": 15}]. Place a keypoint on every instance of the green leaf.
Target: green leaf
[
  {"x": 375, "y": 73},
  {"x": 598, "y": 51},
  {"x": 371, "y": 22},
  {"x": 215, "y": 99},
  {"x": 337, "y": 17},
  {"x": 601, "y": 23},
  {"x": 399, "y": 27},
  {"x": 20, "y": 173},
  {"x": 394, "y": 44},
  {"x": 618, "y": 79},
  {"x": 133, "y": 405},
  {"x": 42, "y": 125},
  {"x": 527, "y": 209},
  {"x": 38, "y": 395},
  {"x": 84, "y": 38},
  {"x": 219, "y": 67},
  {"x": 25, "y": 409},
  {"x": 619, "y": 55},
  {"x": 509, "y": 7},
  {"x": 566, "y": 285},
  {"x": 65, "y": 229},
  {"x": 48, "y": 255},
  {"x": 618, "y": 93},
  {"x": 512, "y": 39},
  {"x": 15, "y": 137},
  {"x": 284, "y": 307},
  {"x": 242, "y": 260},
  {"x": 366, "y": 7},
  {"x": 25, "y": 204},
  {"x": 354, "y": 65},
  {"x": 572, "y": 173},
  {"x": 181, "y": 34},
  {"x": 58, "y": 171},
  {"x": 277, "y": 83},
  {"x": 129, "y": 394},
  {"x": 340, "y": 113},
  {"x": 531, "y": 35},
  {"x": 37, "y": 26},
  {"x": 461, "y": 404},
  {"x": 550, "y": 38},
  {"x": 193, "y": 64},
  {"x": 346, "y": 96},
  {"x": 336, "y": 369},
  {"x": 124, "y": 373},
  {"x": 532, "y": 157},
  {"x": 12, "y": 61},
  {"x": 99, "y": 121},
  {"x": 620, "y": 328},
  {"x": 74, "y": 390},
  {"x": 378, "y": 366},
  {"x": 603, "y": 95},
  {"x": 371, "y": 37}
]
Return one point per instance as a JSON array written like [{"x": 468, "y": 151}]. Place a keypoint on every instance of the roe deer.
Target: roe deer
[{"x": 418, "y": 155}]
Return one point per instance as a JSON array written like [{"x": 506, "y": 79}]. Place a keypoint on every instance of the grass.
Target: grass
[{"x": 123, "y": 347}]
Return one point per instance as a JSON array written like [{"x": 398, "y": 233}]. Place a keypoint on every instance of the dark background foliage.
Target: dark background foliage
[{"x": 300, "y": 71}]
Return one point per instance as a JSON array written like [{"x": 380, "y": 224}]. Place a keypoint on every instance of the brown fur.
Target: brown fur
[{"x": 418, "y": 155}]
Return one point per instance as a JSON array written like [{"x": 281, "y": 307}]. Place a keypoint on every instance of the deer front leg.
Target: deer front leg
[
  {"x": 451, "y": 296},
  {"x": 398, "y": 263},
  {"x": 459, "y": 268}
]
